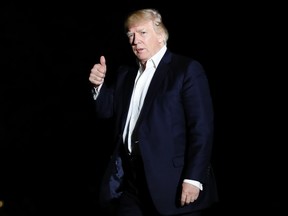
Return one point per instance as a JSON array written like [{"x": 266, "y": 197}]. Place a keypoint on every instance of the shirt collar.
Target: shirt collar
[{"x": 154, "y": 60}]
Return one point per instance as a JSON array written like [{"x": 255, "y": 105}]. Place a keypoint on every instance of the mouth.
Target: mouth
[{"x": 139, "y": 50}]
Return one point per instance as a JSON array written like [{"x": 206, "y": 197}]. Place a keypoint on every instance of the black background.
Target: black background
[{"x": 53, "y": 150}]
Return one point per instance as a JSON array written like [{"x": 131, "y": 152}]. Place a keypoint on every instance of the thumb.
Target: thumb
[{"x": 102, "y": 61}]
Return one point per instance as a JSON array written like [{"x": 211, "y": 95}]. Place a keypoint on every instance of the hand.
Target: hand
[
  {"x": 189, "y": 194},
  {"x": 97, "y": 73}
]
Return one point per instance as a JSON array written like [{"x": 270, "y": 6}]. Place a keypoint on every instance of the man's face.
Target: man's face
[{"x": 144, "y": 40}]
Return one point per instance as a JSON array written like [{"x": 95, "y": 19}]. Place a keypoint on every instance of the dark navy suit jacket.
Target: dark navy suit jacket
[{"x": 174, "y": 132}]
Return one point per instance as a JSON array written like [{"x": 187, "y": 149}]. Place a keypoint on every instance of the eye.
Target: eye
[
  {"x": 143, "y": 32},
  {"x": 129, "y": 35}
]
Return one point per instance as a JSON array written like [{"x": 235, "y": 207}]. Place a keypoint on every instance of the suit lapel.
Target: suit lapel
[
  {"x": 157, "y": 79},
  {"x": 128, "y": 84}
]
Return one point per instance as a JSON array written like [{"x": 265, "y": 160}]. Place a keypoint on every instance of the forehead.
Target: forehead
[{"x": 140, "y": 25}]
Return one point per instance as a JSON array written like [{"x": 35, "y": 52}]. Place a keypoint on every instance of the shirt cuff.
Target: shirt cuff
[{"x": 195, "y": 183}]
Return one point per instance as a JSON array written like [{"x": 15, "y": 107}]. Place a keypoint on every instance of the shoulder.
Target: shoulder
[
  {"x": 184, "y": 63},
  {"x": 176, "y": 58}
]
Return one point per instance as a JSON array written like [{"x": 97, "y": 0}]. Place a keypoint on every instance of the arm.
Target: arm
[
  {"x": 104, "y": 102},
  {"x": 199, "y": 118}
]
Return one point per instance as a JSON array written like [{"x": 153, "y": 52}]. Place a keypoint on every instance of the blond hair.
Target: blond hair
[{"x": 147, "y": 15}]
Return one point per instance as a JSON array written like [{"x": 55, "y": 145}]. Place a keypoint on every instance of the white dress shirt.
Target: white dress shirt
[{"x": 141, "y": 85}]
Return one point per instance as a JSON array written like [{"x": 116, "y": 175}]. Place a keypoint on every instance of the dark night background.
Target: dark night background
[{"x": 53, "y": 150}]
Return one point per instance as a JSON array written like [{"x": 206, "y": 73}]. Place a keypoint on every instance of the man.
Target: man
[{"x": 163, "y": 126}]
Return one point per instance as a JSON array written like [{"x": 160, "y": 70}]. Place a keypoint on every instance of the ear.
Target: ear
[{"x": 160, "y": 38}]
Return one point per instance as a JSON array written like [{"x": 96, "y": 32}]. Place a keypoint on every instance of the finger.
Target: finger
[
  {"x": 102, "y": 61},
  {"x": 98, "y": 71},
  {"x": 185, "y": 200},
  {"x": 102, "y": 65},
  {"x": 96, "y": 81},
  {"x": 96, "y": 78}
]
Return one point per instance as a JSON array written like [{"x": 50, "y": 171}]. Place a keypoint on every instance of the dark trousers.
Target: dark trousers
[
  {"x": 136, "y": 200},
  {"x": 131, "y": 205}
]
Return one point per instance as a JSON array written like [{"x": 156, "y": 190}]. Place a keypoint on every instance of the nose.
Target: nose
[{"x": 136, "y": 39}]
